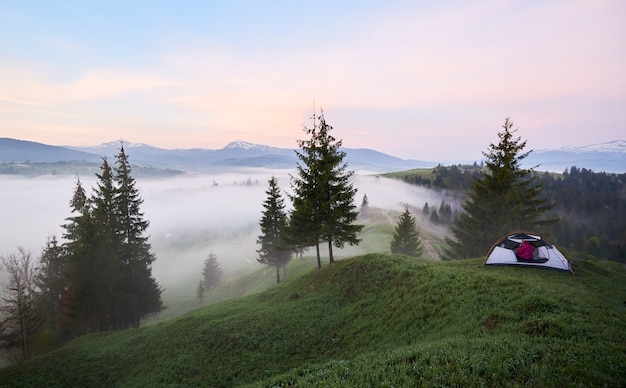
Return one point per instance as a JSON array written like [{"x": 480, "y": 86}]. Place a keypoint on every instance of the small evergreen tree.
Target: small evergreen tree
[
  {"x": 275, "y": 248},
  {"x": 406, "y": 237},
  {"x": 365, "y": 206},
  {"x": 434, "y": 216},
  {"x": 504, "y": 198},
  {"x": 211, "y": 273},
  {"x": 445, "y": 211}
]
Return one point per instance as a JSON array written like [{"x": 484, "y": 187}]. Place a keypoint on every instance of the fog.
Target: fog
[{"x": 190, "y": 216}]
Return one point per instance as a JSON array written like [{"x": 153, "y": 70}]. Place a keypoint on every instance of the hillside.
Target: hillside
[{"x": 373, "y": 320}]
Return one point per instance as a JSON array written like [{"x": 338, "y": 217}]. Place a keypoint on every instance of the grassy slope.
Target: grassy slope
[{"x": 377, "y": 320}]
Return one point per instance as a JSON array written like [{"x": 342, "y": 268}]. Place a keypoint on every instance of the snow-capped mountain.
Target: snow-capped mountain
[
  {"x": 607, "y": 157},
  {"x": 616, "y": 146},
  {"x": 244, "y": 145}
]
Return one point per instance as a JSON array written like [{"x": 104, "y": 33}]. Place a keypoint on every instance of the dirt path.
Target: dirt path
[{"x": 432, "y": 252}]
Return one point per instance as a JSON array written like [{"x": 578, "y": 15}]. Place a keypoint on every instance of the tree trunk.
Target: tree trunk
[
  {"x": 277, "y": 274},
  {"x": 319, "y": 260},
  {"x": 331, "y": 259}
]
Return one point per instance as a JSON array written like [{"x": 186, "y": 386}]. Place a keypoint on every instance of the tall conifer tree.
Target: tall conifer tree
[
  {"x": 88, "y": 301},
  {"x": 104, "y": 260},
  {"x": 75, "y": 303},
  {"x": 50, "y": 281},
  {"x": 109, "y": 284},
  {"x": 504, "y": 198},
  {"x": 323, "y": 197},
  {"x": 274, "y": 248},
  {"x": 141, "y": 294}
]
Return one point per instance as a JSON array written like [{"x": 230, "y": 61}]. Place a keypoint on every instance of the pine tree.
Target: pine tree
[
  {"x": 305, "y": 220},
  {"x": 323, "y": 196},
  {"x": 139, "y": 291},
  {"x": 445, "y": 211},
  {"x": 211, "y": 273},
  {"x": 365, "y": 206},
  {"x": 504, "y": 198},
  {"x": 50, "y": 281},
  {"x": 103, "y": 262},
  {"x": 275, "y": 249},
  {"x": 89, "y": 299},
  {"x": 109, "y": 283},
  {"x": 434, "y": 216},
  {"x": 406, "y": 237},
  {"x": 75, "y": 300}
]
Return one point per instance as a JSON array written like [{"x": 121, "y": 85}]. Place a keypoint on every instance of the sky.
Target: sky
[{"x": 415, "y": 79}]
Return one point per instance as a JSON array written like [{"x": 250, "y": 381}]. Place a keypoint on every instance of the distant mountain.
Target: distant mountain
[
  {"x": 617, "y": 146},
  {"x": 21, "y": 151},
  {"x": 244, "y": 154},
  {"x": 608, "y": 157}
]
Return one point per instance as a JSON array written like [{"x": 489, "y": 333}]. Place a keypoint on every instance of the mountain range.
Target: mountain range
[{"x": 608, "y": 157}]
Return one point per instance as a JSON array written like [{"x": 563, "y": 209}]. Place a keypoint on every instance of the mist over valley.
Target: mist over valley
[{"x": 192, "y": 215}]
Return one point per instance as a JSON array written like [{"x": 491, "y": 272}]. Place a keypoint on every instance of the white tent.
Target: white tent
[{"x": 545, "y": 254}]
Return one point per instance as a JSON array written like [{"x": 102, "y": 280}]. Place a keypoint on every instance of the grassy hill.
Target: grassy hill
[{"x": 372, "y": 320}]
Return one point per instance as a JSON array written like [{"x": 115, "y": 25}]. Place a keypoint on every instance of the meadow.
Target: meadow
[{"x": 371, "y": 320}]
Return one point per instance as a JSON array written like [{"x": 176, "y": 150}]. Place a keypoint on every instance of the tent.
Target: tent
[{"x": 508, "y": 250}]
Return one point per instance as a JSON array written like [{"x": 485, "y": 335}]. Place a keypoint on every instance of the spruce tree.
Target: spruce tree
[
  {"x": 109, "y": 282},
  {"x": 504, "y": 198},
  {"x": 323, "y": 196},
  {"x": 365, "y": 206},
  {"x": 50, "y": 282},
  {"x": 139, "y": 292},
  {"x": 275, "y": 249},
  {"x": 406, "y": 237},
  {"x": 89, "y": 298},
  {"x": 305, "y": 220},
  {"x": 104, "y": 262},
  {"x": 211, "y": 273},
  {"x": 75, "y": 303}
]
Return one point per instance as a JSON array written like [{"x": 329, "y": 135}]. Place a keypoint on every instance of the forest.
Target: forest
[{"x": 590, "y": 206}]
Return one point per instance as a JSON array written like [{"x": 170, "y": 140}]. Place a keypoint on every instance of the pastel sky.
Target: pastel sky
[{"x": 429, "y": 80}]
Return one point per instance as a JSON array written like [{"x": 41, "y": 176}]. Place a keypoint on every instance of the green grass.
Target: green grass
[
  {"x": 425, "y": 173},
  {"x": 372, "y": 320}
]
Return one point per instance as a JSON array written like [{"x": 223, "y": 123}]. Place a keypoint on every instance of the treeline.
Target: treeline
[
  {"x": 98, "y": 278},
  {"x": 591, "y": 206},
  {"x": 592, "y": 209}
]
